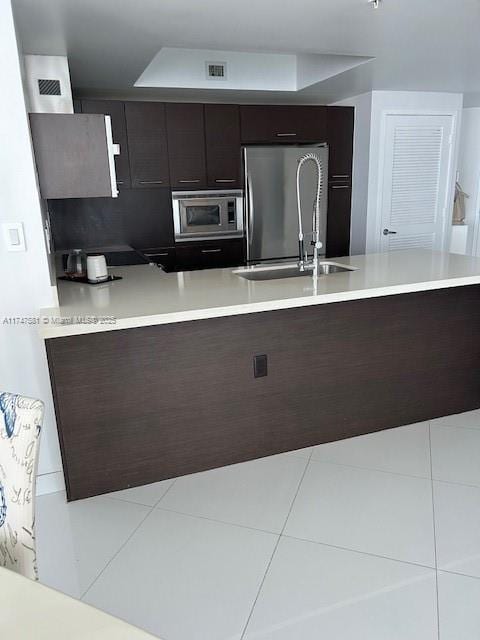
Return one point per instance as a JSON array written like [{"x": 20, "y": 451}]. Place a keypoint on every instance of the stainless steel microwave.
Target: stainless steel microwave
[{"x": 202, "y": 215}]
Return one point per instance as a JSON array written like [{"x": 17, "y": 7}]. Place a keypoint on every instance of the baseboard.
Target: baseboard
[{"x": 50, "y": 483}]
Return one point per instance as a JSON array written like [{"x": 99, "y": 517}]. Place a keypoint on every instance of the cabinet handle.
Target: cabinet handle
[
  {"x": 119, "y": 181},
  {"x": 285, "y": 135},
  {"x": 387, "y": 232},
  {"x": 211, "y": 250},
  {"x": 225, "y": 180},
  {"x": 344, "y": 176},
  {"x": 189, "y": 181},
  {"x": 151, "y": 181},
  {"x": 152, "y": 255},
  {"x": 340, "y": 186}
]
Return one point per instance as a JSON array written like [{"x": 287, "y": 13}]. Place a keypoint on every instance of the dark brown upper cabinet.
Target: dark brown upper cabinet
[
  {"x": 186, "y": 145},
  {"x": 116, "y": 111},
  {"x": 74, "y": 155},
  {"x": 340, "y": 121},
  {"x": 223, "y": 145},
  {"x": 283, "y": 124},
  {"x": 147, "y": 144}
]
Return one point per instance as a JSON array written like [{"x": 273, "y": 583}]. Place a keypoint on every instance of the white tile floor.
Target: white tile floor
[{"x": 372, "y": 538}]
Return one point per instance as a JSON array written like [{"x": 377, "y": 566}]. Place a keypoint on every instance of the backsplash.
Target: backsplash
[{"x": 138, "y": 217}]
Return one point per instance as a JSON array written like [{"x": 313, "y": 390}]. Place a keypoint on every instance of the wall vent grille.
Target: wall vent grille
[
  {"x": 216, "y": 70},
  {"x": 49, "y": 87}
]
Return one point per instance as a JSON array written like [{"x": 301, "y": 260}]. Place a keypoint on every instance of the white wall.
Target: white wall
[
  {"x": 469, "y": 174},
  {"x": 25, "y": 282},
  {"x": 411, "y": 102},
  {"x": 361, "y": 157}
]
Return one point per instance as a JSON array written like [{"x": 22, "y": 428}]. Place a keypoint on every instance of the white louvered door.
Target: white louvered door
[{"x": 415, "y": 181}]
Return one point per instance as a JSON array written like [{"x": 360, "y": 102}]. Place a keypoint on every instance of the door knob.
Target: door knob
[{"x": 387, "y": 232}]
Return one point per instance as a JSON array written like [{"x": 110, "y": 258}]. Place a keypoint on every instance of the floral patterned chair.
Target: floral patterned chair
[{"x": 20, "y": 425}]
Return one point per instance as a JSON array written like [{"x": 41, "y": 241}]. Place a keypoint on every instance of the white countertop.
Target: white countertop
[
  {"x": 32, "y": 611},
  {"x": 146, "y": 296}
]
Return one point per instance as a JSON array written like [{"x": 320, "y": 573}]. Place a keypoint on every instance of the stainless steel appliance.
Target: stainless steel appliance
[
  {"x": 271, "y": 219},
  {"x": 203, "y": 215}
]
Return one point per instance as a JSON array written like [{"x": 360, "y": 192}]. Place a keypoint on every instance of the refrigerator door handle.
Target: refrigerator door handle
[
  {"x": 251, "y": 213},
  {"x": 248, "y": 206}
]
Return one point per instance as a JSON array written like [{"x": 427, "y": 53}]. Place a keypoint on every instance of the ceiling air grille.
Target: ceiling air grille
[
  {"x": 49, "y": 87},
  {"x": 216, "y": 70}
]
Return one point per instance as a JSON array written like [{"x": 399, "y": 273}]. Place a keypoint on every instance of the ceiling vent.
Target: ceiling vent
[
  {"x": 49, "y": 87},
  {"x": 216, "y": 70}
]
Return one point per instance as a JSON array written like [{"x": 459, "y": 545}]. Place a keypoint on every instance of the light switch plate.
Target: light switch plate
[{"x": 13, "y": 236}]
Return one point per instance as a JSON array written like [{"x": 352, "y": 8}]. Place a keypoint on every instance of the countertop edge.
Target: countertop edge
[{"x": 50, "y": 331}]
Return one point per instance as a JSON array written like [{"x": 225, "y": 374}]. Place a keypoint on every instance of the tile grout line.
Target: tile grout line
[
  {"x": 125, "y": 501},
  {"x": 109, "y": 496},
  {"x": 307, "y": 464},
  {"x": 434, "y": 530},
  {"x": 260, "y": 588},
  {"x": 226, "y": 522},
  {"x": 164, "y": 494},
  {"x": 117, "y": 552},
  {"x": 459, "y": 426},
  {"x": 457, "y": 573},
  {"x": 457, "y": 484},
  {"x": 354, "y": 466},
  {"x": 362, "y": 553},
  {"x": 125, "y": 542}
]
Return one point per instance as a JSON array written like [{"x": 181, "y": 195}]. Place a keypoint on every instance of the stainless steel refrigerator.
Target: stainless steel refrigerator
[{"x": 271, "y": 219}]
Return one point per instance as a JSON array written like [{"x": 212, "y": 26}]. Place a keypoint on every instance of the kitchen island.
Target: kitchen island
[{"x": 153, "y": 375}]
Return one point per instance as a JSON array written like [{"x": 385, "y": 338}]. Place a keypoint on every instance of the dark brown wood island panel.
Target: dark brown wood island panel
[{"x": 140, "y": 405}]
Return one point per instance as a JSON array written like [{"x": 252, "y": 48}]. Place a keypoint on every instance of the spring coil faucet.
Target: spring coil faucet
[{"x": 303, "y": 255}]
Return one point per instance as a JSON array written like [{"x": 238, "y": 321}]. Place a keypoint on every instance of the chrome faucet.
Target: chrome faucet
[{"x": 317, "y": 245}]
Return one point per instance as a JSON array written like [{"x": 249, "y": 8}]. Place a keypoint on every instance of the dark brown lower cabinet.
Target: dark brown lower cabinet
[
  {"x": 140, "y": 405},
  {"x": 210, "y": 254},
  {"x": 164, "y": 256}
]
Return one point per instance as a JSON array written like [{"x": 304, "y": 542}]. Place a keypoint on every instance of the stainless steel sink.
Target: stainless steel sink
[{"x": 291, "y": 270}]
